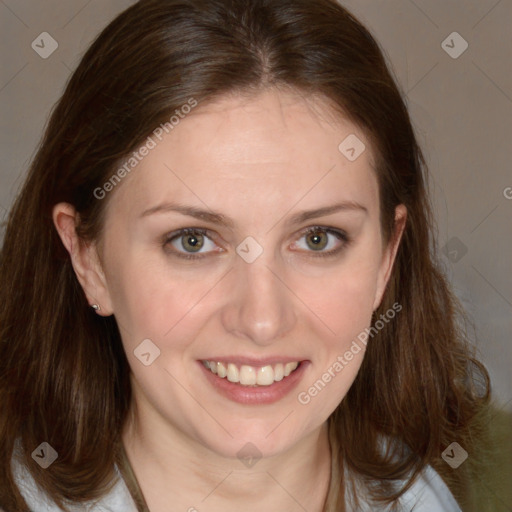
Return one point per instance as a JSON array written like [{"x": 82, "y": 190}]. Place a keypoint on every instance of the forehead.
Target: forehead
[{"x": 271, "y": 148}]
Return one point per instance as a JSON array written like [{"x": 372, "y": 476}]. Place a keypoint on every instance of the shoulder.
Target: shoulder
[
  {"x": 428, "y": 493},
  {"x": 118, "y": 499}
]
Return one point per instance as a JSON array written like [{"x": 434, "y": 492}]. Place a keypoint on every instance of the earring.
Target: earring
[{"x": 96, "y": 307}]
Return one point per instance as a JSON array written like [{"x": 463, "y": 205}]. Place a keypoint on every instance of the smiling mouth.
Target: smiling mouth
[{"x": 246, "y": 375}]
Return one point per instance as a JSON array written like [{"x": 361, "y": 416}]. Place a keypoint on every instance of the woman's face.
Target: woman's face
[{"x": 247, "y": 286}]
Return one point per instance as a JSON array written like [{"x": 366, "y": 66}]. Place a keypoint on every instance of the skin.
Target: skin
[{"x": 257, "y": 160}]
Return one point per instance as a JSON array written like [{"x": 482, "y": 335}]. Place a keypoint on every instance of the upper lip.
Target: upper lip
[{"x": 252, "y": 361}]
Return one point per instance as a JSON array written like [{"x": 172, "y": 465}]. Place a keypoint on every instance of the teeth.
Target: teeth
[
  {"x": 289, "y": 368},
  {"x": 249, "y": 375},
  {"x": 265, "y": 376},
  {"x": 221, "y": 370},
  {"x": 233, "y": 373}
]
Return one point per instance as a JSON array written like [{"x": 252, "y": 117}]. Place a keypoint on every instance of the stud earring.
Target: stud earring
[{"x": 96, "y": 307}]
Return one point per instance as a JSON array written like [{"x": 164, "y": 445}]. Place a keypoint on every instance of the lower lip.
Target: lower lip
[{"x": 255, "y": 395}]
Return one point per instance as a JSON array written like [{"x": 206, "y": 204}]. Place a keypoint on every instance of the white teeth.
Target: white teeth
[
  {"x": 221, "y": 370},
  {"x": 289, "y": 368},
  {"x": 250, "y": 375},
  {"x": 278, "y": 372},
  {"x": 265, "y": 376},
  {"x": 233, "y": 373},
  {"x": 247, "y": 375}
]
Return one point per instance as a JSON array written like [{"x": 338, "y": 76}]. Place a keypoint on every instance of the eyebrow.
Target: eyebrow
[{"x": 222, "y": 220}]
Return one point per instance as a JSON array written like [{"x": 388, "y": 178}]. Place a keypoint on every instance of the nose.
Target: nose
[{"x": 260, "y": 307}]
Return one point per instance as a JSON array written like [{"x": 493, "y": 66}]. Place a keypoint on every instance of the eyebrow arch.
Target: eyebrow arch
[
  {"x": 191, "y": 211},
  {"x": 305, "y": 215},
  {"x": 218, "y": 218}
]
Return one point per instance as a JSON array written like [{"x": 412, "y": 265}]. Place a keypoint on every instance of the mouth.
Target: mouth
[
  {"x": 259, "y": 383},
  {"x": 247, "y": 375}
]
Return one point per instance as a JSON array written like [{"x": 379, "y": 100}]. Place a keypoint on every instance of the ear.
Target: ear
[
  {"x": 389, "y": 253},
  {"x": 84, "y": 258}
]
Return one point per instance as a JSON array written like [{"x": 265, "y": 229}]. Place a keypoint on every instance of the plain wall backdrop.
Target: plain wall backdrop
[{"x": 453, "y": 62}]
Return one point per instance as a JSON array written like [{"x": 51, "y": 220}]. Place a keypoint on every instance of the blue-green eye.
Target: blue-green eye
[
  {"x": 190, "y": 241},
  {"x": 322, "y": 240},
  {"x": 195, "y": 243}
]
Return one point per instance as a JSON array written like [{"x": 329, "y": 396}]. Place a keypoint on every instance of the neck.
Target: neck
[{"x": 172, "y": 468}]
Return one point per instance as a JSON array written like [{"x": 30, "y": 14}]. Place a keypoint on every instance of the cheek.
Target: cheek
[
  {"x": 344, "y": 304},
  {"x": 150, "y": 302},
  {"x": 342, "y": 297}
]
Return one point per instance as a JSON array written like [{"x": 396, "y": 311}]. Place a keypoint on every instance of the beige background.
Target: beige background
[{"x": 462, "y": 109}]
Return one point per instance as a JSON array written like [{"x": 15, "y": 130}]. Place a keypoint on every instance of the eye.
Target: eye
[
  {"x": 195, "y": 243},
  {"x": 188, "y": 242},
  {"x": 324, "y": 241}
]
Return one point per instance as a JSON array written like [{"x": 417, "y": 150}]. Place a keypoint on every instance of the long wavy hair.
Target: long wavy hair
[{"x": 64, "y": 377}]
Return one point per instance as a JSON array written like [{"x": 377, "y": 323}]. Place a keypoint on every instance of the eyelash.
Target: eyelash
[{"x": 340, "y": 235}]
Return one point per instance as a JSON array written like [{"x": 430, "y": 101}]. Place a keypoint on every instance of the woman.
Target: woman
[{"x": 219, "y": 286}]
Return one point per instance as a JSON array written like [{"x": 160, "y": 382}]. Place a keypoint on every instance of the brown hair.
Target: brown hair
[{"x": 64, "y": 377}]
